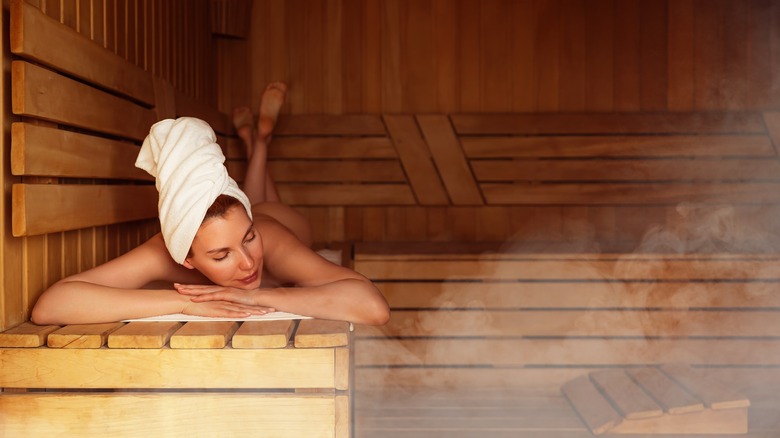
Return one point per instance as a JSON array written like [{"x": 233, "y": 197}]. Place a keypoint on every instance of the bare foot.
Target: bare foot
[
  {"x": 243, "y": 121},
  {"x": 270, "y": 103}
]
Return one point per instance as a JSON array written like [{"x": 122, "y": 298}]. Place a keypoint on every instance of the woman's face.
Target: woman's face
[{"x": 228, "y": 250}]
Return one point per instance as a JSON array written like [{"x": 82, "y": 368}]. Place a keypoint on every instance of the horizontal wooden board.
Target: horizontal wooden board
[
  {"x": 331, "y": 147},
  {"x": 328, "y": 124},
  {"x": 45, "y": 151},
  {"x": 33, "y": 34},
  {"x": 167, "y": 368},
  {"x": 529, "y": 269},
  {"x": 577, "y": 323},
  {"x": 609, "y": 123},
  {"x": 737, "y": 170},
  {"x": 171, "y": 414},
  {"x": 497, "y": 352},
  {"x": 39, "y": 209},
  {"x": 346, "y": 194},
  {"x": 648, "y": 146},
  {"x": 755, "y": 295},
  {"x": 631, "y": 193},
  {"x": 47, "y": 95},
  {"x": 368, "y": 171}
]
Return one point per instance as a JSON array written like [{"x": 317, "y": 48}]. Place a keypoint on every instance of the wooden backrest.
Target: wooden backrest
[{"x": 83, "y": 112}]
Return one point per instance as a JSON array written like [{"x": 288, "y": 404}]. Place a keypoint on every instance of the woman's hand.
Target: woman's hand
[
  {"x": 223, "y": 309},
  {"x": 214, "y": 293}
]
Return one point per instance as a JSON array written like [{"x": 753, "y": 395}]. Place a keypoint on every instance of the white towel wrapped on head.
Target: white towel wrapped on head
[{"x": 187, "y": 163}]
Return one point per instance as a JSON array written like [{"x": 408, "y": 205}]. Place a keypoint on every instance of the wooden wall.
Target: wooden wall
[
  {"x": 509, "y": 56},
  {"x": 170, "y": 38}
]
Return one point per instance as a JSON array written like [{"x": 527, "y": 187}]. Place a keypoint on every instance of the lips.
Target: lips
[{"x": 249, "y": 279}]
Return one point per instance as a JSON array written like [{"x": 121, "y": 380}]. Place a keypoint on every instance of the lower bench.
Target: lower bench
[{"x": 269, "y": 378}]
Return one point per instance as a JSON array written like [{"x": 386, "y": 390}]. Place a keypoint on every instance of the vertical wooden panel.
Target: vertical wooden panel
[
  {"x": 735, "y": 55},
  {"x": 708, "y": 54},
  {"x": 391, "y": 82},
  {"x": 97, "y": 22},
  {"x": 571, "y": 82},
  {"x": 372, "y": 57},
  {"x": 653, "y": 62},
  {"x": 470, "y": 44},
  {"x": 445, "y": 50},
  {"x": 523, "y": 40},
  {"x": 546, "y": 55},
  {"x": 599, "y": 55},
  {"x": 759, "y": 57},
  {"x": 495, "y": 51},
  {"x": 627, "y": 49},
  {"x": 681, "y": 48},
  {"x": 351, "y": 62}
]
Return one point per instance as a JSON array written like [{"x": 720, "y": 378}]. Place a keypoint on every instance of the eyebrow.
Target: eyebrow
[{"x": 216, "y": 250}]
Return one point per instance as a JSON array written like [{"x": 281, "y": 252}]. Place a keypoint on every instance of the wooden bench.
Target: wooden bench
[{"x": 277, "y": 378}]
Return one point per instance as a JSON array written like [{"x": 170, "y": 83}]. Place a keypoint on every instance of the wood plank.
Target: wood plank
[
  {"x": 317, "y": 333},
  {"x": 672, "y": 397},
  {"x": 571, "y": 269},
  {"x": 630, "y": 193},
  {"x": 137, "y": 414},
  {"x": 204, "y": 334},
  {"x": 46, "y": 95},
  {"x": 43, "y": 151},
  {"x": 343, "y": 418},
  {"x": 707, "y": 422},
  {"x": 343, "y": 368},
  {"x": 27, "y": 335},
  {"x": 609, "y": 123},
  {"x": 627, "y": 170},
  {"x": 82, "y": 335},
  {"x": 166, "y": 368},
  {"x": 450, "y": 160},
  {"x": 328, "y": 124},
  {"x": 346, "y": 194},
  {"x": 517, "y": 352},
  {"x": 714, "y": 394},
  {"x": 143, "y": 334},
  {"x": 187, "y": 105},
  {"x": 347, "y": 171},
  {"x": 628, "y": 398},
  {"x": 772, "y": 120},
  {"x": 415, "y": 157},
  {"x": 593, "y": 408},
  {"x": 652, "y": 146},
  {"x": 263, "y": 334},
  {"x": 477, "y": 318},
  {"x": 716, "y": 294},
  {"x": 39, "y": 209},
  {"x": 331, "y": 147},
  {"x": 32, "y": 34}
]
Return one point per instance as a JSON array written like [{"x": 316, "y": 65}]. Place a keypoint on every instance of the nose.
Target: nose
[{"x": 246, "y": 261}]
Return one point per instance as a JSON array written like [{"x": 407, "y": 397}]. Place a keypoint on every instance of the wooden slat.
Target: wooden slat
[
  {"x": 44, "y": 151},
  {"x": 143, "y": 335},
  {"x": 630, "y": 194},
  {"x": 136, "y": 414},
  {"x": 415, "y": 157},
  {"x": 672, "y": 397},
  {"x": 317, "y": 333},
  {"x": 450, "y": 161},
  {"x": 27, "y": 335},
  {"x": 731, "y": 422},
  {"x": 326, "y": 124},
  {"x": 346, "y": 194},
  {"x": 39, "y": 209},
  {"x": 166, "y": 367},
  {"x": 571, "y": 269},
  {"x": 627, "y": 170},
  {"x": 548, "y": 295},
  {"x": 331, "y": 147},
  {"x": 191, "y": 107},
  {"x": 33, "y": 35},
  {"x": 348, "y": 171},
  {"x": 628, "y": 398},
  {"x": 204, "y": 334},
  {"x": 570, "y": 321},
  {"x": 651, "y": 146},
  {"x": 714, "y": 394},
  {"x": 509, "y": 352},
  {"x": 596, "y": 411},
  {"x": 613, "y": 123},
  {"x": 49, "y": 96},
  {"x": 263, "y": 334},
  {"x": 772, "y": 120},
  {"x": 82, "y": 335}
]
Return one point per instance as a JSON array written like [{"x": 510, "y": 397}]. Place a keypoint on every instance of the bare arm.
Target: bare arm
[
  {"x": 114, "y": 291},
  {"x": 322, "y": 289}
]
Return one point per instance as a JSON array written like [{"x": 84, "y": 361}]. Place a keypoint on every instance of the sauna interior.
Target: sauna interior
[{"x": 543, "y": 190}]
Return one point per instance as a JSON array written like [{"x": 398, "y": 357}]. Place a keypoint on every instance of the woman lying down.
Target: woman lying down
[{"x": 227, "y": 253}]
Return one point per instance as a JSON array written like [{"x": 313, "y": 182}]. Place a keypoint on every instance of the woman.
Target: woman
[{"x": 222, "y": 252}]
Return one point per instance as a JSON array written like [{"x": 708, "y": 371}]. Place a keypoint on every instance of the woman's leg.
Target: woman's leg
[{"x": 258, "y": 184}]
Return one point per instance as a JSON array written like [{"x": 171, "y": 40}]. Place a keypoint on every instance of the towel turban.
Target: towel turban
[{"x": 188, "y": 165}]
